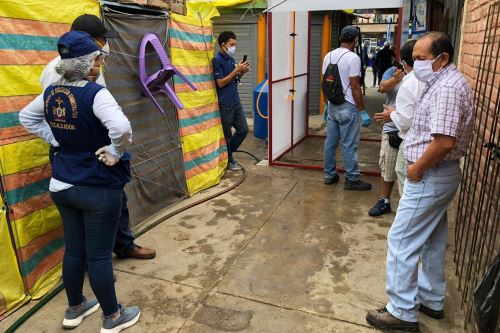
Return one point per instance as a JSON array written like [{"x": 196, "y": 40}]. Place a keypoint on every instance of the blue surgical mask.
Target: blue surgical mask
[{"x": 423, "y": 69}]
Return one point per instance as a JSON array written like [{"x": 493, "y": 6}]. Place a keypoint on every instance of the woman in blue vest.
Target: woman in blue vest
[{"x": 89, "y": 171}]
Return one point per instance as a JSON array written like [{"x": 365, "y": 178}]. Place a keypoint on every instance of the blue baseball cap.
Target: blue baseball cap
[
  {"x": 75, "y": 44},
  {"x": 349, "y": 32}
]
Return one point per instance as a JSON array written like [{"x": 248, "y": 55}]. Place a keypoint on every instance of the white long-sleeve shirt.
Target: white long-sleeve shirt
[
  {"x": 105, "y": 108},
  {"x": 406, "y": 103}
]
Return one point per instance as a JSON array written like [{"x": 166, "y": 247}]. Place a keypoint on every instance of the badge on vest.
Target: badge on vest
[
  {"x": 59, "y": 112},
  {"x": 61, "y": 103}
]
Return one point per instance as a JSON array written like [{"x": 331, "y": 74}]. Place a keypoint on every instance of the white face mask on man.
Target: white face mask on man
[
  {"x": 105, "y": 49},
  {"x": 423, "y": 69},
  {"x": 231, "y": 50}
]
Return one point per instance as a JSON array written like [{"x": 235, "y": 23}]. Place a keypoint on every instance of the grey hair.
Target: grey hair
[{"x": 76, "y": 69}]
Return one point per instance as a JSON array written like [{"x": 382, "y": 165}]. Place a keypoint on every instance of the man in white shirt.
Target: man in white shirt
[
  {"x": 343, "y": 119},
  {"x": 91, "y": 24},
  {"x": 402, "y": 114}
]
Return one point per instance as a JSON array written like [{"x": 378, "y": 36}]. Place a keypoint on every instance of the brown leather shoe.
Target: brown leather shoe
[
  {"x": 383, "y": 320},
  {"x": 139, "y": 252}
]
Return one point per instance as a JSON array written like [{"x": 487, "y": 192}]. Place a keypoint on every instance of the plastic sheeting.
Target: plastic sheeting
[
  {"x": 285, "y": 131},
  {"x": 157, "y": 161},
  {"x": 12, "y": 293},
  {"x": 31, "y": 235},
  {"x": 203, "y": 143}
]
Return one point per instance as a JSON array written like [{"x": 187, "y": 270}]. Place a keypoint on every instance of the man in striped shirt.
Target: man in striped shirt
[{"x": 439, "y": 136}]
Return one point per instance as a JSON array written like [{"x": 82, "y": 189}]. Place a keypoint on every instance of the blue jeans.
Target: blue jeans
[
  {"x": 342, "y": 124},
  {"x": 90, "y": 219},
  {"x": 417, "y": 243},
  {"x": 124, "y": 239},
  {"x": 233, "y": 116}
]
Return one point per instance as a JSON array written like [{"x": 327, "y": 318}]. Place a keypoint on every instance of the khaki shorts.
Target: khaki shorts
[{"x": 388, "y": 158}]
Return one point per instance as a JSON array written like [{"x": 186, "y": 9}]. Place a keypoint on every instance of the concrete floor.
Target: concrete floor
[{"x": 280, "y": 253}]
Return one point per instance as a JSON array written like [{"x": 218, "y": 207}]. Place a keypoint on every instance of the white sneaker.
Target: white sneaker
[
  {"x": 128, "y": 317},
  {"x": 73, "y": 318}
]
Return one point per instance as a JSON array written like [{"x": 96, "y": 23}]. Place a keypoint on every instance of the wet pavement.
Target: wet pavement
[{"x": 280, "y": 253}]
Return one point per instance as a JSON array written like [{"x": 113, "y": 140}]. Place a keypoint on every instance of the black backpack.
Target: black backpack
[{"x": 332, "y": 83}]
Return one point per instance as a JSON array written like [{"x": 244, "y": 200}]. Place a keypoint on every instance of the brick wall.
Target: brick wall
[
  {"x": 477, "y": 233},
  {"x": 473, "y": 35}
]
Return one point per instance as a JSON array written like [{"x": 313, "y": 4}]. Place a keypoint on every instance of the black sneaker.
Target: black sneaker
[
  {"x": 357, "y": 185},
  {"x": 333, "y": 180},
  {"x": 381, "y": 207},
  {"x": 436, "y": 314}
]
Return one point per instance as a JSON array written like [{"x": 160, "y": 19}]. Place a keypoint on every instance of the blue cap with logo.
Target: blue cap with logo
[{"x": 75, "y": 44}]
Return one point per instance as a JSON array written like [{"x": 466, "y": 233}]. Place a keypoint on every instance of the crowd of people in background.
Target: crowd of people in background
[{"x": 378, "y": 59}]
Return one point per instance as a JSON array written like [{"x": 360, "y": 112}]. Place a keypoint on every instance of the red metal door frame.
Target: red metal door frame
[{"x": 275, "y": 162}]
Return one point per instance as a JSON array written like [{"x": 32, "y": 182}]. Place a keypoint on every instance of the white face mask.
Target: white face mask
[
  {"x": 105, "y": 49},
  {"x": 231, "y": 50},
  {"x": 423, "y": 69}
]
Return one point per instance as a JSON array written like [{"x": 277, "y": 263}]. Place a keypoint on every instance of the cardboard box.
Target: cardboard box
[
  {"x": 161, "y": 4},
  {"x": 176, "y": 6},
  {"x": 135, "y": 2}
]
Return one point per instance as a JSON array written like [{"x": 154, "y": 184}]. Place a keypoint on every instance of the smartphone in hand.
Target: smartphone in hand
[
  {"x": 397, "y": 64},
  {"x": 238, "y": 76}
]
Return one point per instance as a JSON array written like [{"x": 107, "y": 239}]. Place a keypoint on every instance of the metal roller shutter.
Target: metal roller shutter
[
  {"x": 315, "y": 63},
  {"x": 246, "y": 35}
]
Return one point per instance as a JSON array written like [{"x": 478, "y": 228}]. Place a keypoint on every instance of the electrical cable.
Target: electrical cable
[
  {"x": 60, "y": 287},
  {"x": 248, "y": 153}
]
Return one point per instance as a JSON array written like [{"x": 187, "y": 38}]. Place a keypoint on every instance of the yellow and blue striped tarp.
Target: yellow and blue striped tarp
[
  {"x": 30, "y": 225},
  {"x": 203, "y": 143}
]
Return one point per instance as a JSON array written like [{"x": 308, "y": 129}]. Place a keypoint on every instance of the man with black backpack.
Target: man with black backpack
[{"x": 342, "y": 90}]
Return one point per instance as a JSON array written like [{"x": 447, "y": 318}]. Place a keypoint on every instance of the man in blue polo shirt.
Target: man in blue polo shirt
[{"x": 231, "y": 111}]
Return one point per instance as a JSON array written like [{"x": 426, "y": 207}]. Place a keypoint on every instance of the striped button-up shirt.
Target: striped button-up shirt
[{"x": 445, "y": 107}]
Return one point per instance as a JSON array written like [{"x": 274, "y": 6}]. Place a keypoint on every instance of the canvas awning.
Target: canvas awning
[{"x": 315, "y": 5}]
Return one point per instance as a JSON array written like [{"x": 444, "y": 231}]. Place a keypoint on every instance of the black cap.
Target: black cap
[{"x": 92, "y": 25}]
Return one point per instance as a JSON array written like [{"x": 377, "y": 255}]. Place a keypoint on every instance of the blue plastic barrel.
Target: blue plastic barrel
[{"x": 260, "y": 98}]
